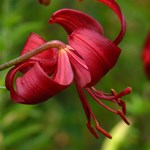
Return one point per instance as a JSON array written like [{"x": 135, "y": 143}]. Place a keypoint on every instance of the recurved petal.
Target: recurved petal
[
  {"x": 47, "y": 58},
  {"x": 34, "y": 41},
  {"x": 116, "y": 8},
  {"x": 71, "y": 20},
  {"x": 82, "y": 74},
  {"x": 9, "y": 81},
  {"x": 99, "y": 54},
  {"x": 33, "y": 87}
]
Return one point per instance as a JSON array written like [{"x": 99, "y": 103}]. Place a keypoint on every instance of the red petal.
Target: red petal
[
  {"x": 47, "y": 59},
  {"x": 33, "y": 87},
  {"x": 10, "y": 78},
  {"x": 115, "y": 7},
  {"x": 71, "y": 20},
  {"x": 99, "y": 54},
  {"x": 63, "y": 74},
  {"x": 35, "y": 41},
  {"x": 82, "y": 73},
  {"x": 146, "y": 55}
]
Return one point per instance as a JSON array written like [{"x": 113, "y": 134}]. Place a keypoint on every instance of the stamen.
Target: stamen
[
  {"x": 89, "y": 113},
  {"x": 99, "y": 102},
  {"x": 124, "y": 92},
  {"x": 99, "y": 128},
  {"x": 114, "y": 97},
  {"x": 123, "y": 117},
  {"x": 122, "y": 104},
  {"x": 92, "y": 130},
  {"x": 106, "y": 96},
  {"x": 119, "y": 101}
]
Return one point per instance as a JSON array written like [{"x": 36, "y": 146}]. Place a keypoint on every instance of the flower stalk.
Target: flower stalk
[{"x": 50, "y": 44}]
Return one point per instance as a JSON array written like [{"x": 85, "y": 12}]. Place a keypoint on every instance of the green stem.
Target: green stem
[{"x": 50, "y": 44}]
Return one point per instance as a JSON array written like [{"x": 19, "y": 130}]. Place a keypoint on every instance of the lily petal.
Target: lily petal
[
  {"x": 99, "y": 54},
  {"x": 71, "y": 20},
  {"x": 115, "y": 7},
  {"x": 82, "y": 73},
  {"x": 47, "y": 59},
  {"x": 35, "y": 41},
  {"x": 35, "y": 86},
  {"x": 63, "y": 74}
]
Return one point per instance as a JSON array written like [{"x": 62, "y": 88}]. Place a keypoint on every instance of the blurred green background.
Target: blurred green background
[{"x": 59, "y": 123}]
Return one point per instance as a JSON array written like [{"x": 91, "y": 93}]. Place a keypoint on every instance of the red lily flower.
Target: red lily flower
[
  {"x": 146, "y": 55},
  {"x": 85, "y": 60},
  {"x": 44, "y": 2}
]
